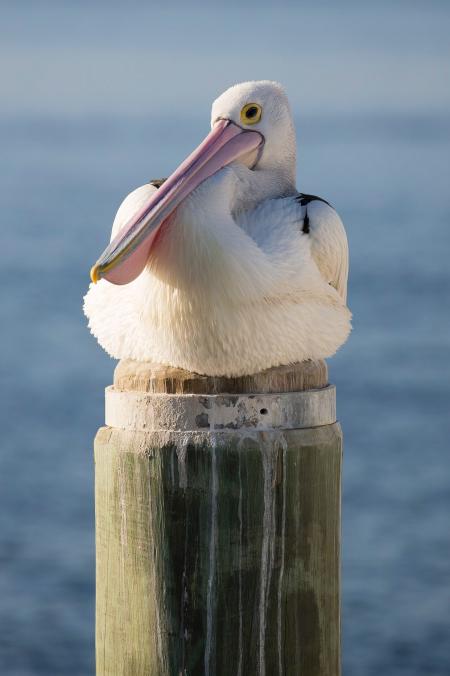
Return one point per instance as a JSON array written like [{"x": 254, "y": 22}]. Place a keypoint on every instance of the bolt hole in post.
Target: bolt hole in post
[{"x": 263, "y": 411}]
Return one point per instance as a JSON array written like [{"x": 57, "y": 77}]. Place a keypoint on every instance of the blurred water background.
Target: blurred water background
[{"x": 98, "y": 98}]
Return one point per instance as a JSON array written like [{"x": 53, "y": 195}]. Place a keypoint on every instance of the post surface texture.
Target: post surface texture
[{"x": 218, "y": 524}]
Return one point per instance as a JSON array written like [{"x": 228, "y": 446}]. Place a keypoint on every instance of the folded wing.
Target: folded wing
[
  {"x": 329, "y": 245},
  {"x": 133, "y": 203}
]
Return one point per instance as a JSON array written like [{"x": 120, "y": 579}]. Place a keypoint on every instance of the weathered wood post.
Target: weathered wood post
[{"x": 218, "y": 524}]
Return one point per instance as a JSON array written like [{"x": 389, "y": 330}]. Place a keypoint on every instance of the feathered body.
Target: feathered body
[{"x": 245, "y": 274}]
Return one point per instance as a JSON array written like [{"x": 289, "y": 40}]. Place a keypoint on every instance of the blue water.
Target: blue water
[{"x": 97, "y": 100}]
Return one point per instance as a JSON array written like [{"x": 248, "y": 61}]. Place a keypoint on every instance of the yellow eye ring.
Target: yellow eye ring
[{"x": 251, "y": 113}]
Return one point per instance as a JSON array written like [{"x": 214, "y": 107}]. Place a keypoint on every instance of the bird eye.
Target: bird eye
[{"x": 251, "y": 113}]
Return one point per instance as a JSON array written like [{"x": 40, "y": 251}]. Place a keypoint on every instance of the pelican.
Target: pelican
[{"x": 224, "y": 268}]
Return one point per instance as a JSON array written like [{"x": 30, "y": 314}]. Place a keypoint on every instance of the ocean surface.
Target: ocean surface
[{"x": 98, "y": 100}]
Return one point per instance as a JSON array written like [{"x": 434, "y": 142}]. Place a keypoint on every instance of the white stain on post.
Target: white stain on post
[
  {"x": 268, "y": 544},
  {"x": 283, "y": 536},
  {"x": 172, "y": 466},
  {"x": 182, "y": 470},
  {"x": 210, "y": 598},
  {"x": 123, "y": 503},
  {"x": 184, "y": 597},
  {"x": 160, "y": 602},
  {"x": 239, "y": 671}
]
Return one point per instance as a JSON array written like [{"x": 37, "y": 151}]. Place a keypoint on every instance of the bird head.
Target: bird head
[{"x": 263, "y": 107}]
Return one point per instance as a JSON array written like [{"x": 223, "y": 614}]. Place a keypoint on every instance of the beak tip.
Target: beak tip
[{"x": 95, "y": 273}]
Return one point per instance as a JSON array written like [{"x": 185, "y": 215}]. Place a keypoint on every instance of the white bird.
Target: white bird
[{"x": 226, "y": 269}]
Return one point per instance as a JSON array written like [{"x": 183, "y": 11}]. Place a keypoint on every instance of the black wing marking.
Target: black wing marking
[
  {"x": 305, "y": 226},
  {"x": 305, "y": 199},
  {"x": 157, "y": 182}
]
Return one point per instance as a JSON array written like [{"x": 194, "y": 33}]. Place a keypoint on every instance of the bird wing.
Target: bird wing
[
  {"x": 133, "y": 202},
  {"x": 329, "y": 245}
]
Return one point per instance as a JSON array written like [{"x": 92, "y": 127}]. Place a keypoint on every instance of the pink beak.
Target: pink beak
[{"x": 126, "y": 256}]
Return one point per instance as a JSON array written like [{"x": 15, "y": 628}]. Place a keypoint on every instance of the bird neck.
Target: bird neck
[{"x": 253, "y": 187}]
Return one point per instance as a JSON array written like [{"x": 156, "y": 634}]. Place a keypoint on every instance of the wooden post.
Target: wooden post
[{"x": 218, "y": 524}]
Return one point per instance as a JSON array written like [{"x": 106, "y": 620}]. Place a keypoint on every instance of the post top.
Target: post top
[{"x": 131, "y": 375}]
